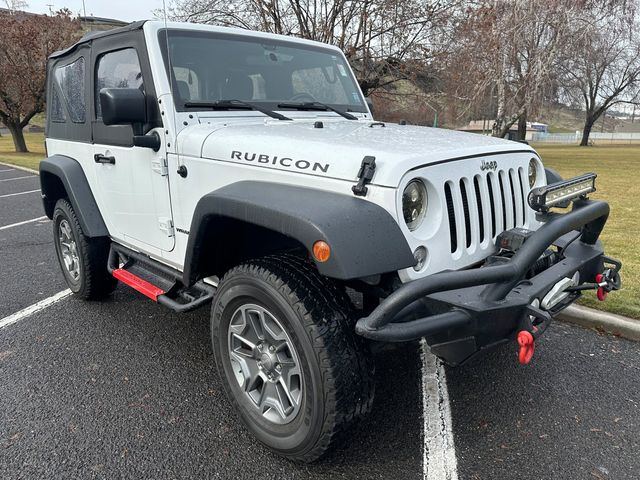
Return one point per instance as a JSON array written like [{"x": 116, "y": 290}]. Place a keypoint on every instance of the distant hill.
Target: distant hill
[{"x": 562, "y": 119}]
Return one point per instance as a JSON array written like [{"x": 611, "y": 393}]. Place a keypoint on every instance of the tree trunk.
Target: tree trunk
[
  {"x": 18, "y": 137},
  {"x": 522, "y": 126},
  {"x": 586, "y": 131}
]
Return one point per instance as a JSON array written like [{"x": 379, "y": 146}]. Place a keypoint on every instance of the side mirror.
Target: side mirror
[
  {"x": 370, "y": 104},
  {"x": 122, "y": 106},
  {"x": 126, "y": 106}
]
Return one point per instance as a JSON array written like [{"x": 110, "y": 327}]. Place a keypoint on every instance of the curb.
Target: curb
[
  {"x": 18, "y": 167},
  {"x": 609, "y": 322}
]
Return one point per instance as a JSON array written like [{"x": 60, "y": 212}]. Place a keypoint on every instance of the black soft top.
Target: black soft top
[{"x": 98, "y": 34}]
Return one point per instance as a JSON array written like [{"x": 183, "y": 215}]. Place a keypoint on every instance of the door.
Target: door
[{"x": 132, "y": 181}]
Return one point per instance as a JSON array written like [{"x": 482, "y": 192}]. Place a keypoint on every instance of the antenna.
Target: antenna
[{"x": 84, "y": 9}]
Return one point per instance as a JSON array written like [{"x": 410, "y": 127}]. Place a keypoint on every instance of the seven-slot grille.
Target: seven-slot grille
[{"x": 482, "y": 207}]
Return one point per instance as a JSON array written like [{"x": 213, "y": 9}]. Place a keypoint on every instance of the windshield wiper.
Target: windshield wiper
[
  {"x": 316, "y": 106},
  {"x": 235, "y": 104}
]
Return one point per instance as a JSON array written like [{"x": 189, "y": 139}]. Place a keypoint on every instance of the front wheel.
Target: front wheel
[{"x": 284, "y": 342}]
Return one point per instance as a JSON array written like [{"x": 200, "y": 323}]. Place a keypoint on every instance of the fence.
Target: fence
[{"x": 596, "y": 138}]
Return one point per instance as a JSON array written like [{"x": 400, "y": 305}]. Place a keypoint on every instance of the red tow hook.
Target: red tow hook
[
  {"x": 601, "y": 293},
  {"x": 527, "y": 347}
]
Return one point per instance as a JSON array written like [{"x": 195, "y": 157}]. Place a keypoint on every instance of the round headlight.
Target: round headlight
[
  {"x": 414, "y": 203},
  {"x": 533, "y": 172}
]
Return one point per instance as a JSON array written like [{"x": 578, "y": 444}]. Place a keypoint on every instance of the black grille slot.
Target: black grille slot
[
  {"x": 513, "y": 198},
  {"x": 452, "y": 217},
  {"x": 476, "y": 185},
  {"x": 504, "y": 203},
  {"x": 465, "y": 207},
  {"x": 493, "y": 207},
  {"x": 524, "y": 199}
]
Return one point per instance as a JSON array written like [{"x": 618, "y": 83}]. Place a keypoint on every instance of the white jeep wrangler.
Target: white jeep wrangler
[{"x": 211, "y": 165}]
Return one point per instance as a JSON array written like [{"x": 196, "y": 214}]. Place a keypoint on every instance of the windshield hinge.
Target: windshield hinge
[
  {"x": 166, "y": 225},
  {"x": 159, "y": 165},
  {"x": 365, "y": 175}
]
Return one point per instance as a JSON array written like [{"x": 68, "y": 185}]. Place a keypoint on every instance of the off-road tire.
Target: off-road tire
[
  {"x": 94, "y": 281},
  {"x": 337, "y": 364}
]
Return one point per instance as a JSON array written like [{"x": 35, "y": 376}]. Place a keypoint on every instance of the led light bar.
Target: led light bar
[{"x": 542, "y": 199}]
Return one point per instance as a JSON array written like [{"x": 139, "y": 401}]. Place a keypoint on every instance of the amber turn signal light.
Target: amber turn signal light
[{"x": 321, "y": 251}]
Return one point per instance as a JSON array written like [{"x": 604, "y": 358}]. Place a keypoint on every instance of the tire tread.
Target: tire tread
[
  {"x": 347, "y": 367},
  {"x": 96, "y": 283}
]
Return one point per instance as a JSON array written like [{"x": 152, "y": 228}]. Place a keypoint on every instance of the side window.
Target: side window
[
  {"x": 57, "y": 112},
  {"x": 119, "y": 69},
  {"x": 70, "y": 79}
]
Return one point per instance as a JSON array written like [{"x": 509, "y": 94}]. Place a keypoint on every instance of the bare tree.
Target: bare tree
[
  {"x": 15, "y": 5},
  {"x": 25, "y": 43},
  {"x": 384, "y": 40},
  {"x": 508, "y": 49},
  {"x": 602, "y": 67}
]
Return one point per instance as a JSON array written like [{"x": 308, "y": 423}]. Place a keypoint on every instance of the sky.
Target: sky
[{"x": 127, "y": 10}]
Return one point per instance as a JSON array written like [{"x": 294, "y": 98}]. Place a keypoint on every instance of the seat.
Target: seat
[
  {"x": 183, "y": 90},
  {"x": 238, "y": 87}
]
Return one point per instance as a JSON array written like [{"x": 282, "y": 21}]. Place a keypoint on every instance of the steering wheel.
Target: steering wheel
[{"x": 302, "y": 97}]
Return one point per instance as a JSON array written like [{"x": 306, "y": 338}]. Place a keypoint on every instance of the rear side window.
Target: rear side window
[
  {"x": 70, "y": 79},
  {"x": 119, "y": 69},
  {"x": 57, "y": 111}
]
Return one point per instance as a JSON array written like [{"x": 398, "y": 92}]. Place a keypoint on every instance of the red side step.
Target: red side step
[{"x": 138, "y": 283}]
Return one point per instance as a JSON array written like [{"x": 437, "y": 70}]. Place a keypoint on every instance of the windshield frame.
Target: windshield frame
[{"x": 179, "y": 103}]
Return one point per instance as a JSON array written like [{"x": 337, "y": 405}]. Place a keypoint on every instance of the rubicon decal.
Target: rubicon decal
[{"x": 286, "y": 162}]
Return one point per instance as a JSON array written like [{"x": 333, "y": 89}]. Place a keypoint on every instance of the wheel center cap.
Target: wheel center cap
[{"x": 267, "y": 361}]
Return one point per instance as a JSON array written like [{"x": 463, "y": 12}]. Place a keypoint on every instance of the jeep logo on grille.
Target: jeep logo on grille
[{"x": 492, "y": 165}]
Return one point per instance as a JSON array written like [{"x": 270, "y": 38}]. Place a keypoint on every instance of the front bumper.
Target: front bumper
[{"x": 464, "y": 313}]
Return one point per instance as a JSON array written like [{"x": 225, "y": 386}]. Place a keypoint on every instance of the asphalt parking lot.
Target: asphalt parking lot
[{"x": 126, "y": 389}]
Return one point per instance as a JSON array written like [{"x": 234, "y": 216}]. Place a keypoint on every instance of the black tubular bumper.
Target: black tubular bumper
[{"x": 462, "y": 313}]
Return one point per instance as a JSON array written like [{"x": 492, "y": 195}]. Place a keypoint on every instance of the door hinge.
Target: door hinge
[
  {"x": 159, "y": 166},
  {"x": 166, "y": 225},
  {"x": 365, "y": 175}
]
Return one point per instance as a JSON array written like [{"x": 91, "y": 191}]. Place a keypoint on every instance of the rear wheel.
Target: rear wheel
[
  {"x": 284, "y": 342},
  {"x": 83, "y": 260}
]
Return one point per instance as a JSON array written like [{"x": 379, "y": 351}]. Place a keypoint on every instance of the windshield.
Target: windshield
[{"x": 212, "y": 67}]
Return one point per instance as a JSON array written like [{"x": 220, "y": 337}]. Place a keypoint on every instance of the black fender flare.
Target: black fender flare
[
  {"x": 364, "y": 238},
  {"x": 552, "y": 175},
  {"x": 61, "y": 172}
]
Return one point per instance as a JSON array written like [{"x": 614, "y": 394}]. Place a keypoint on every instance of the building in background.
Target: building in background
[{"x": 484, "y": 127}]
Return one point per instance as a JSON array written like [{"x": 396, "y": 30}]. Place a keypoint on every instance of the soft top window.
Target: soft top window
[
  {"x": 118, "y": 69},
  {"x": 70, "y": 79},
  {"x": 55, "y": 105}
]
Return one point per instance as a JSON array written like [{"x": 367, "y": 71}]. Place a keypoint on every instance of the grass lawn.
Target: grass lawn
[
  {"x": 35, "y": 144},
  {"x": 618, "y": 183}
]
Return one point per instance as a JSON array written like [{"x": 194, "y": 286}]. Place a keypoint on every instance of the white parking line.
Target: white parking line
[
  {"x": 7, "y": 170},
  {"x": 36, "y": 307},
  {"x": 17, "y": 178},
  {"x": 20, "y": 193},
  {"x": 23, "y": 223},
  {"x": 439, "y": 461}
]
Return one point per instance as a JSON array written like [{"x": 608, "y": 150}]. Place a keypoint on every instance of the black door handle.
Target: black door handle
[{"x": 99, "y": 158}]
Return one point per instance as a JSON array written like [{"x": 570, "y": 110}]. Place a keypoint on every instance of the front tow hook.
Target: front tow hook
[
  {"x": 535, "y": 321},
  {"x": 605, "y": 282}
]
